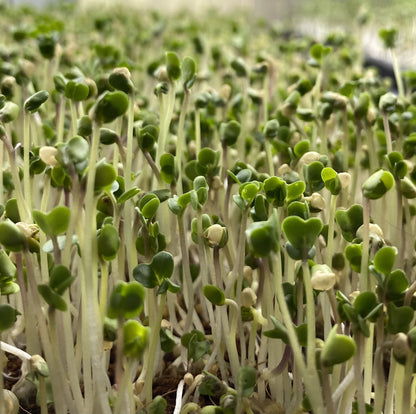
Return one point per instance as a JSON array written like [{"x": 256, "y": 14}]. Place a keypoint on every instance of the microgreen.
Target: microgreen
[{"x": 179, "y": 206}]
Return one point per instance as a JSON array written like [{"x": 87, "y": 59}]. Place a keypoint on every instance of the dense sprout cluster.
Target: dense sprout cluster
[{"x": 214, "y": 204}]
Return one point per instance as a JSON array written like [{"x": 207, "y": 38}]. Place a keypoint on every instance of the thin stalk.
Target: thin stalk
[
  {"x": 364, "y": 282},
  {"x": 197, "y": 130},
  {"x": 181, "y": 139},
  {"x": 391, "y": 385},
  {"x": 368, "y": 365},
  {"x": 74, "y": 116},
  {"x": 153, "y": 348},
  {"x": 92, "y": 328},
  {"x": 345, "y": 140},
  {"x": 310, "y": 378},
  {"x": 128, "y": 207},
  {"x": 387, "y": 132},
  {"x": 310, "y": 317},
  {"x": 22, "y": 205},
  {"x": 2, "y": 162},
  {"x": 60, "y": 113},
  {"x": 103, "y": 288},
  {"x": 358, "y": 358},
  {"x": 326, "y": 390},
  {"x": 397, "y": 75},
  {"x": 26, "y": 162},
  {"x": 188, "y": 292}
]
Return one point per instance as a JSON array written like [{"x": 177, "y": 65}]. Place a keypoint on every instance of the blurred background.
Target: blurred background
[{"x": 315, "y": 17}]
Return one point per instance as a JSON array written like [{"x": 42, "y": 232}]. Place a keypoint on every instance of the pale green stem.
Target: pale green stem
[
  {"x": 92, "y": 342},
  {"x": 270, "y": 165},
  {"x": 61, "y": 120},
  {"x": 197, "y": 130},
  {"x": 181, "y": 139},
  {"x": 2, "y": 162},
  {"x": 74, "y": 116},
  {"x": 368, "y": 364},
  {"x": 165, "y": 119},
  {"x": 124, "y": 394},
  {"x": 153, "y": 347},
  {"x": 397, "y": 75},
  {"x": 407, "y": 384},
  {"x": 358, "y": 368},
  {"x": 391, "y": 385},
  {"x": 230, "y": 330},
  {"x": 389, "y": 146},
  {"x": 310, "y": 317},
  {"x": 103, "y": 288},
  {"x": 26, "y": 163},
  {"x": 187, "y": 278},
  {"x": 128, "y": 207},
  {"x": 364, "y": 282},
  {"x": 310, "y": 378},
  {"x": 345, "y": 141}
]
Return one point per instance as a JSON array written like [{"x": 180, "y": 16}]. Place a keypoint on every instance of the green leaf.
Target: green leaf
[
  {"x": 247, "y": 378},
  {"x": 239, "y": 67},
  {"x": 396, "y": 284},
  {"x": 110, "y": 105},
  {"x": 262, "y": 238},
  {"x": 337, "y": 349},
  {"x": 7, "y": 316},
  {"x": 398, "y": 318},
  {"x": 136, "y": 338},
  {"x": 389, "y": 37},
  {"x": 214, "y": 294},
  {"x": 188, "y": 72},
  {"x": 212, "y": 386},
  {"x": 331, "y": 180},
  {"x": 60, "y": 279},
  {"x": 9, "y": 112},
  {"x": 168, "y": 169},
  {"x": 167, "y": 340},
  {"x": 33, "y": 103},
  {"x": 384, "y": 259},
  {"x": 173, "y": 66},
  {"x": 7, "y": 267},
  {"x": 12, "y": 210},
  {"x": 144, "y": 274},
  {"x": 108, "y": 136},
  {"x": 76, "y": 91},
  {"x": 148, "y": 205},
  {"x": 229, "y": 132},
  {"x": 350, "y": 221},
  {"x": 365, "y": 303},
  {"x": 120, "y": 79},
  {"x": 275, "y": 189},
  {"x": 147, "y": 137},
  {"x": 378, "y": 184},
  {"x": 105, "y": 176},
  {"x": 271, "y": 129},
  {"x": 108, "y": 242},
  {"x": 127, "y": 195},
  {"x": 387, "y": 102},
  {"x": 279, "y": 331},
  {"x": 53, "y": 299},
  {"x": 126, "y": 300},
  {"x": 302, "y": 234},
  {"x": 11, "y": 237},
  {"x": 162, "y": 264},
  {"x": 158, "y": 405},
  {"x": 353, "y": 253},
  {"x": 295, "y": 191},
  {"x": 53, "y": 223}
]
